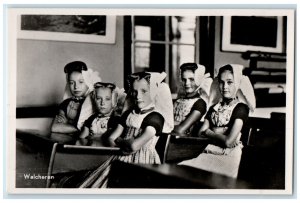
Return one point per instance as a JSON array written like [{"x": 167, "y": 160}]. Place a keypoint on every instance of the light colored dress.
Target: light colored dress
[
  {"x": 147, "y": 154},
  {"x": 98, "y": 124},
  {"x": 184, "y": 106},
  {"x": 217, "y": 159}
]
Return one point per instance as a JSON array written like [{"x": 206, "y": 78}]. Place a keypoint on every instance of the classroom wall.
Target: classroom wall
[
  {"x": 40, "y": 63},
  {"x": 223, "y": 58}
]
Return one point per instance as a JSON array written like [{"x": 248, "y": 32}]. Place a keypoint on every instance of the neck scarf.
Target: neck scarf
[{"x": 144, "y": 110}]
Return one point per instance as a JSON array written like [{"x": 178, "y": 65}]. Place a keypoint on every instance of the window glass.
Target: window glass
[{"x": 163, "y": 43}]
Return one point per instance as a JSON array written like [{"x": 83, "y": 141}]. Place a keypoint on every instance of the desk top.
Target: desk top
[
  {"x": 67, "y": 140},
  {"x": 169, "y": 176},
  {"x": 96, "y": 144}
]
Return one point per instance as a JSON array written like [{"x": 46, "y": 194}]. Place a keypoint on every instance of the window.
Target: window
[{"x": 163, "y": 43}]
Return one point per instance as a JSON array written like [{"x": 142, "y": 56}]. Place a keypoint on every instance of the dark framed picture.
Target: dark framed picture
[
  {"x": 253, "y": 33},
  {"x": 90, "y": 28}
]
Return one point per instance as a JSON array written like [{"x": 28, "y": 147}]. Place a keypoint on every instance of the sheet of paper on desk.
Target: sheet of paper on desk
[
  {"x": 266, "y": 112},
  {"x": 42, "y": 124},
  {"x": 277, "y": 90},
  {"x": 259, "y": 85}
]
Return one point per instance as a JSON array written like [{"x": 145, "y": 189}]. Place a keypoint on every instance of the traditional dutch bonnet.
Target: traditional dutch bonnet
[
  {"x": 244, "y": 88},
  {"x": 202, "y": 80},
  {"x": 160, "y": 95}
]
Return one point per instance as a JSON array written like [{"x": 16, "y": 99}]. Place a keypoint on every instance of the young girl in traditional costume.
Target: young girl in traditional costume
[
  {"x": 80, "y": 82},
  {"x": 191, "y": 102},
  {"x": 232, "y": 96},
  {"x": 105, "y": 98}
]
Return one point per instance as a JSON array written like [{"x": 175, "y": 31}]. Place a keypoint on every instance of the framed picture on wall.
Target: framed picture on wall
[
  {"x": 253, "y": 33},
  {"x": 65, "y": 27}
]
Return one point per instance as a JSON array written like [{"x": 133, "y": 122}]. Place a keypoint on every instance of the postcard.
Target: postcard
[{"x": 124, "y": 101}]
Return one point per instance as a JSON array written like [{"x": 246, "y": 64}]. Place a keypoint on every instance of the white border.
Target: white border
[
  {"x": 228, "y": 46},
  {"x": 10, "y": 153}
]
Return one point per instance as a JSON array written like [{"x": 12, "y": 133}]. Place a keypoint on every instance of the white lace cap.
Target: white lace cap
[{"x": 161, "y": 95}]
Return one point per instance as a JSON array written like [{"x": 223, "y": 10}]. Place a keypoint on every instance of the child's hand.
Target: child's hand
[
  {"x": 119, "y": 141},
  {"x": 81, "y": 142},
  {"x": 207, "y": 132},
  {"x": 177, "y": 131},
  {"x": 220, "y": 130},
  {"x": 61, "y": 119},
  {"x": 202, "y": 134},
  {"x": 125, "y": 145},
  {"x": 179, "y": 134}
]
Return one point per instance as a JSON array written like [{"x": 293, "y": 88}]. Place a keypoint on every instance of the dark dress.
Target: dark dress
[{"x": 71, "y": 108}]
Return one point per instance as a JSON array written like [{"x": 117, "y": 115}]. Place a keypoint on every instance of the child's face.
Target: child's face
[
  {"x": 188, "y": 79},
  {"x": 226, "y": 85},
  {"x": 141, "y": 93},
  {"x": 77, "y": 85},
  {"x": 103, "y": 99}
]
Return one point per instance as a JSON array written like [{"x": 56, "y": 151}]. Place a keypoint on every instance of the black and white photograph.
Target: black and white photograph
[{"x": 155, "y": 101}]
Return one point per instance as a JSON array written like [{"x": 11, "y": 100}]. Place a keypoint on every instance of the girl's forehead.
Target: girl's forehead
[
  {"x": 142, "y": 83},
  {"x": 103, "y": 91},
  {"x": 75, "y": 75},
  {"x": 188, "y": 73},
  {"x": 227, "y": 75}
]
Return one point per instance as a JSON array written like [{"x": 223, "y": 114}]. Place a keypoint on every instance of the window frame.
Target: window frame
[{"x": 167, "y": 44}]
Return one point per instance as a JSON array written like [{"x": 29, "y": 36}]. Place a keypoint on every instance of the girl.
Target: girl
[
  {"x": 80, "y": 82},
  {"x": 233, "y": 96},
  {"x": 105, "y": 100},
  {"x": 89, "y": 106},
  {"x": 192, "y": 98},
  {"x": 139, "y": 128}
]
